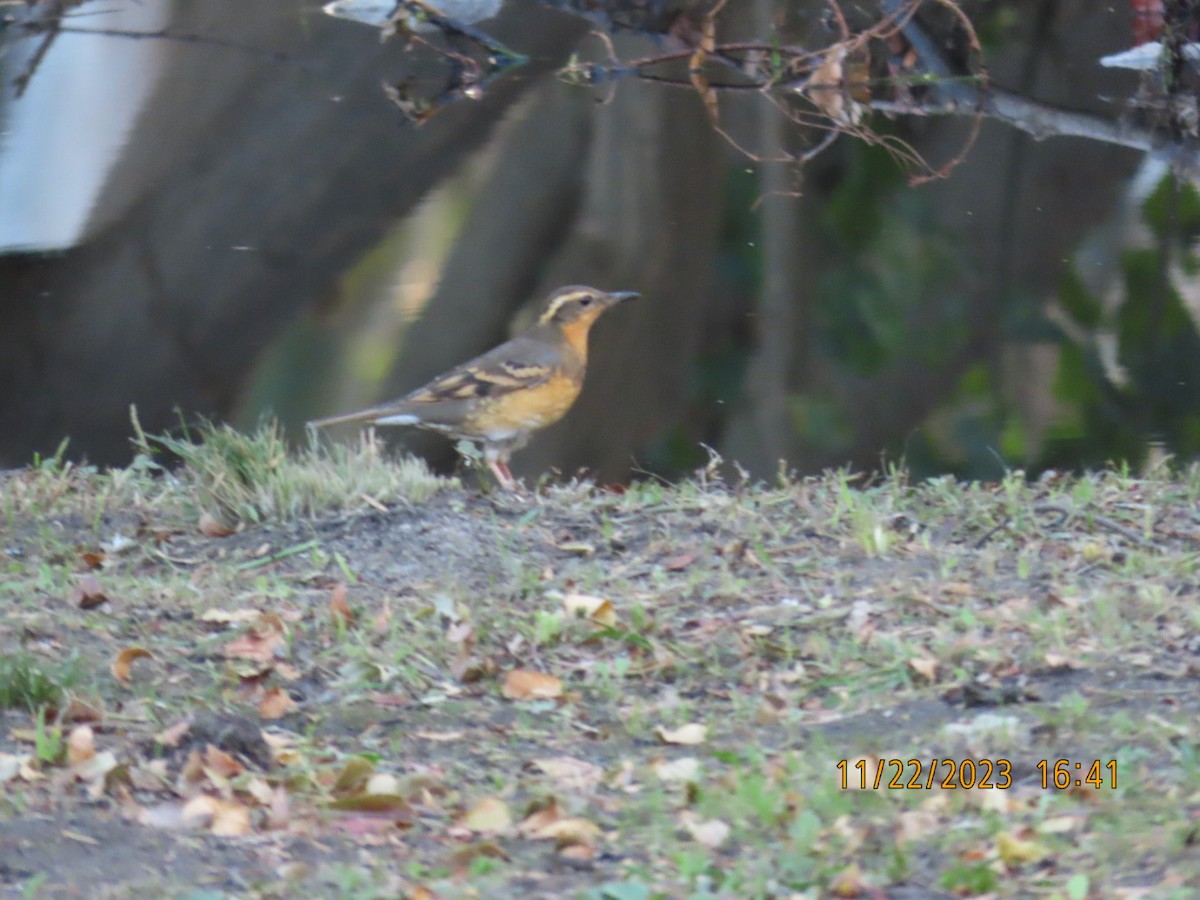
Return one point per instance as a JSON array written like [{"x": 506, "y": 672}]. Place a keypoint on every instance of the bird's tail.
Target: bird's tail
[{"x": 376, "y": 415}]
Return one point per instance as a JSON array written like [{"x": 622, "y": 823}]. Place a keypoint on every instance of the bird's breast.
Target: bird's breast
[{"x": 504, "y": 416}]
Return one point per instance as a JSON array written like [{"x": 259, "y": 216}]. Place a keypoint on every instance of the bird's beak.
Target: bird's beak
[{"x": 621, "y": 296}]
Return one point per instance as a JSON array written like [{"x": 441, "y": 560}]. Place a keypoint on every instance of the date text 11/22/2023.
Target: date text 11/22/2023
[{"x": 867, "y": 772}]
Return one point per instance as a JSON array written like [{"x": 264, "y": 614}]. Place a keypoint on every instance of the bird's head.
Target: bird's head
[{"x": 574, "y": 308}]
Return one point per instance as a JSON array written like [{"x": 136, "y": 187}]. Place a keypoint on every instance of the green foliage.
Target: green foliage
[
  {"x": 969, "y": 879},
  {"x": 241, "y": 477},
  {"x": 1173, "y": 211},
  {"x": 25, "y": 684}
]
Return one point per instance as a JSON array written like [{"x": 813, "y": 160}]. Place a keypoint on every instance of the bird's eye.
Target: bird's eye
[{"x": 585, "y": 300}]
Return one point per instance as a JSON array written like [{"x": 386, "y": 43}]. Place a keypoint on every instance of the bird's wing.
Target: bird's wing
[{"x": 517, "y": 365}]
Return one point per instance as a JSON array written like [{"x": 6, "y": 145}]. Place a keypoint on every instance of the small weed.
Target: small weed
[
  {"x": 48, "y": 740},
  {"x": 24, "y": 684}
]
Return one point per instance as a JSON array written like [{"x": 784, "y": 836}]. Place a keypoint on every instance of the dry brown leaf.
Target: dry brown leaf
[
  {"x": 93, "y": 559},
  {"x": 570, "y": 774},
  {"x": 81, "y": 745},
  {"x": 11, "y": 765},
  {"x": 88, "y": 594},
  {"x": 260, "y": 643},
  {"x": 171, "y": 736},
  {"x": 683, "y": 560},
  {"x": 230, "y": 819},
  {"x": 211, "y": 526},
  {"x": 597, "y": 609},
  {"x": 279, "y": 812},
  {"x": 580, "y": 853},
  {"x": 522, "y": 684},
  {"x": 711, "y": 833},
  {"x": 1061, "y": 661},
  {"x": 93, "y": 772},
  {"x": 835, "y": 87},
  {"x": 692, "y": 733},
  {"x": 849, "y": 883},
  {"x": 192, "y": 770},
  {"x": 260, "y": 790},
  {"x": 567, "y": 832},
  {"x": 80, "y": 710},
  {"x": 539, "y": 819},
  {"x": 684, "y": 769},
  {"x": 338, "y": 607},
  {"x": 229, "y": 617},
  {"x": 443, "y": 737},
  {"x": 925, "y": 666},
  {"x": 219, "y": 762},
  {"x": 489, "y": 816},
  {"x": 393, "y": 806},
  {"x": 275, "y": 704},
  {"x": 123, "y": 664}
]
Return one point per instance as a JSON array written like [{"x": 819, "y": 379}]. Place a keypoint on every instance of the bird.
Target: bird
[{"x": 500, "y": 398}]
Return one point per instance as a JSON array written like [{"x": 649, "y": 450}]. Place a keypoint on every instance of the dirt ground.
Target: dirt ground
[{"x": 665, "y": 691}]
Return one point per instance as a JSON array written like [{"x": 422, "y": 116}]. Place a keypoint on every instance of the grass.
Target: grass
[{"x": 805, "y": 624}]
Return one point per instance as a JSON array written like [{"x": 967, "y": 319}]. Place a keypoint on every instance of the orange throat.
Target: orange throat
[{"x": 576, "y": 335}]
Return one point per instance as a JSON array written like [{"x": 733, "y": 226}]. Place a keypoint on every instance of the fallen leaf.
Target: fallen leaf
[
  {"x": 80, "y": 710},
  {"x": 692, "y": 733},
  {"x": 81, "y": 745},
  {"x": 260, "y": 790},
  {"x": 88, "y": 594},
  {"x": 259, "y": 644},
  {"x": 1061, "y": 661},
  {"x": 578, "y": 548},
  {"x": 221, "y": 763},
  {"x": 684, "y": 769},
  {"x": 123, "y": 664},
  {"x": 11, "y": 766},
  {"x": 1015, "y": 849},
  {"x": 539, "y": 818},
  {"x": 230, "y": 819},
  {"x": 393, "y": 806},
  {"x": 489, "y": 816},
  {"x": 443, "y": 737},
  {"x": 229, "y": 617},
  {"x": 577, "y": 852},
  {"x": 211, "y": 526},
  {"x": 170, "y": 737},
  {"x": 679, "y": 563},
  {"x": 566, "y": 832},
  {"x": 585, "y": 606},
  {"x": 924, "y": 666},
  {"x": 570, "y": 774},
  {"x": 522, "y": 684},
  {"x": 711, "y": 833},
  {"x": 93, "y": 559},
  {"x": 354, "y": 776},
  {"x": 338, "y": 607},
  {"x": 94, "y": 771},
  {"x": 275, "y": 704},
  {"x": 848, "y": 883}
]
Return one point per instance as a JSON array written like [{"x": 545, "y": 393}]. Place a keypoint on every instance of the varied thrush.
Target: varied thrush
[{"x": 500, "y": 398}]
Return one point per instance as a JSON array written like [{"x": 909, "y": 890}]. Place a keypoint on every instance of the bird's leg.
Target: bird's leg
[{"x": 503, "y": 475}]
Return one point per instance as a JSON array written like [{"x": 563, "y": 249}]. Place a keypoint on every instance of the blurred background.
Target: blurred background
[{"x": 225, "y": 208}]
